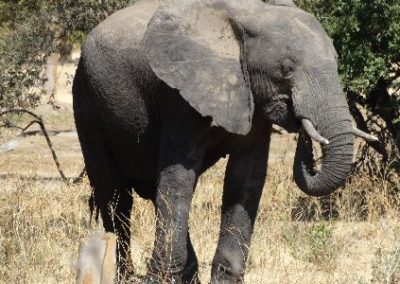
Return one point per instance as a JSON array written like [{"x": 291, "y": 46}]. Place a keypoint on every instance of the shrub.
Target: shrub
[{"x": 30, "y": 30}]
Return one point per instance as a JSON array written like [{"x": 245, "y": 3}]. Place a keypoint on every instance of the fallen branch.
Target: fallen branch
[{"x": 39, "y": 121}]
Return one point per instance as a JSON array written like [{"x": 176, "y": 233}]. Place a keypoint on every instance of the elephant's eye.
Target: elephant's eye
[{"x": 287, "y": 68}]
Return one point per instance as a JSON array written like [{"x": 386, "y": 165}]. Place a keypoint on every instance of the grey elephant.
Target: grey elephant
[{"x": 165, "y": 89}]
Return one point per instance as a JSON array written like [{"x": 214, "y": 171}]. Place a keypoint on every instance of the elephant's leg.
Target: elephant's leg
[
  {"x": 190, "y": 272},
  {"x": 180, "y": 159},
  {"x": 174, "y": 195},
  {"x": 107, "y": 187},
  {"x": 117, "y": 219},
  {"x": 244, "y": 181}
]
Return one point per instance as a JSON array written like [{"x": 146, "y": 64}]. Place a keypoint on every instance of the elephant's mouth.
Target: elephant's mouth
[{"x": 279, "y": 110}]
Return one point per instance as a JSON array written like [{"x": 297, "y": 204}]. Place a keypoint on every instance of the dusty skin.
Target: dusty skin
[
  {"x": 162, "y": 92},
  {"x": 42, "y": 220}
]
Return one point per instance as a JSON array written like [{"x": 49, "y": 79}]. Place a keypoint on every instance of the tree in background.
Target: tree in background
[{"x": 30, "y": 30}]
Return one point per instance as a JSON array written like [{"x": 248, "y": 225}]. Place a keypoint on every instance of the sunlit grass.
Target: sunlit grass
[{"x": 42, "y": 222}]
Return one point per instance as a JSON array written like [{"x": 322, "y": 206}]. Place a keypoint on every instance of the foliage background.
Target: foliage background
[
  {"x": 30, "y": 30},
  {"x": 366, "y": 35}
]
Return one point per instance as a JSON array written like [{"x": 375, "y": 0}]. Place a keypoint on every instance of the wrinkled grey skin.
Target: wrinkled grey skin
[{"x": 161, "y": 94}]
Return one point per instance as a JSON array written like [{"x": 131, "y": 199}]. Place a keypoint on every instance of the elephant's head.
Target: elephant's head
[{"x": 236, "y": 61}]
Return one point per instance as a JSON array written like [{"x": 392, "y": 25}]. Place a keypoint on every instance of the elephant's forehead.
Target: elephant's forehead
[
  {"x": 302, "y": 36},
  {"x": 313, "y": 36},
  {"x": 308, "y": 31}
]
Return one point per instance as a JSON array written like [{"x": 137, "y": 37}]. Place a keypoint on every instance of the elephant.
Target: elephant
[{"x": 164, "y": 89}]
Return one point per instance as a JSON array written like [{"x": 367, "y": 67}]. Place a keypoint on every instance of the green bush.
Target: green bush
[{"x": 30, "y": 30}]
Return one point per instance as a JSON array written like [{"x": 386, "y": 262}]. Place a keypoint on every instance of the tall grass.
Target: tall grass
[{"x": 351, "y": 237}]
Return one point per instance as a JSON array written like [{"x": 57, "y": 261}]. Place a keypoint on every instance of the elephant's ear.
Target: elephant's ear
[
  {"x": 193, "y": 48},
  {"x": 287, "y": 3}
]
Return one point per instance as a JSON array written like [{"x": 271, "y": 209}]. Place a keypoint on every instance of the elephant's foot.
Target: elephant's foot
[
  {"x": 225, "y": 276},
  {"x": 129, "y": 279},
  {"x": 151, "y": 279},
  {"x": 187, "y": 276},
  {"x": 125, "y": 271},
  {"x": 227, "y": 268},
  {"x": 190, "y": 274}
]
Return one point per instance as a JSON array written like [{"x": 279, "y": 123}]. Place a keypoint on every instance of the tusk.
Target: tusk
[
  {"x": 359, "y": 133},
  {"x": 312, "y": 132}
]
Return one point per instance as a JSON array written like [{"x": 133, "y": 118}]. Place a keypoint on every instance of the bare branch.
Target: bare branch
[{"x": 39, "y": 121}]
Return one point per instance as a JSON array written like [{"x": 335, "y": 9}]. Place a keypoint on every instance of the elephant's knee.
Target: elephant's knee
[{"x": 177, "y": 180}]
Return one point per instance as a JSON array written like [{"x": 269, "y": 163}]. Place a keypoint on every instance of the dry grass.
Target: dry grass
[{"x": 42, "y": 221}]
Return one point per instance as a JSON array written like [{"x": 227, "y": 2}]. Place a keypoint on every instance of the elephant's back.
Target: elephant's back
[
  {"x": 116, "y": 67},
  {"x": 112, "y": 53},
  {"x": 125, "y": 29}
]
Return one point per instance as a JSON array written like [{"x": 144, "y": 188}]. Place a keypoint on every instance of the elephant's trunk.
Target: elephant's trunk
[{"x": 330, "y": 115}]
